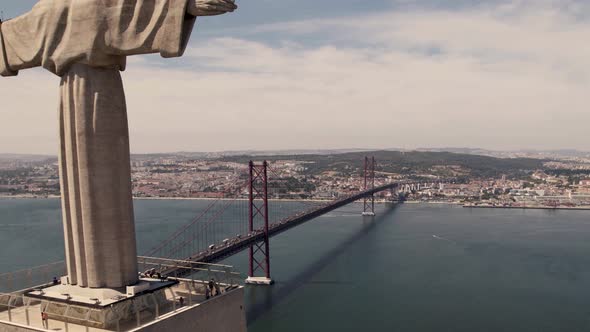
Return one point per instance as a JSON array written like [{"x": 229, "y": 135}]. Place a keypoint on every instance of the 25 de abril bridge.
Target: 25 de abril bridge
[
  {"x": 185, "y": 271},
  {"x": 218, "y": 232}
]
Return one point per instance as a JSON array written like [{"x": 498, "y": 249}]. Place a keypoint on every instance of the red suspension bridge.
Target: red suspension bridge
[{"x": 258, "y": 209}]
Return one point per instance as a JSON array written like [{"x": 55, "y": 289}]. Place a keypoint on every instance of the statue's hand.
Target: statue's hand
[{"x": 211, "y": 7}]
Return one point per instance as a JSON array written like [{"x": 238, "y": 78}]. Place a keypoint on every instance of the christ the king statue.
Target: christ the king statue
[{"x": 86, "y": 43}]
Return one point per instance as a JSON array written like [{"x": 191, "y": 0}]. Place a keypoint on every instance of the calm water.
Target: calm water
[{"x": 412, "y": 268}]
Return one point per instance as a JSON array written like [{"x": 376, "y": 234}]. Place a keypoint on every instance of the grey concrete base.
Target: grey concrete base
[
  {"x": 224, "y": 313},
  {"x": 159, "y": 311},
  {"x": 259, "y": 281},
  {"x": 109, "y": 307},
  {"x": 99, "y": 297},
  {"x": 368, "y": 214}
]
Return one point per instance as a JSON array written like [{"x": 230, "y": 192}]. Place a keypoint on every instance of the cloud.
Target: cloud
[{"x": 508, "y": 75}]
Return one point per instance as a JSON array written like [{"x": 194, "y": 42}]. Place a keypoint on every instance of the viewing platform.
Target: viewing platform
[{"x": 207, "y": 298}]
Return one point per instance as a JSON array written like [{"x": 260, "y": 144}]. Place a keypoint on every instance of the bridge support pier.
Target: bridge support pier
[
  {"x": 369, "y": 183},
  {"x": 259, "y": 253},
  {"x": 259, "y": 281},
  {"x": 393, "y": 196}
]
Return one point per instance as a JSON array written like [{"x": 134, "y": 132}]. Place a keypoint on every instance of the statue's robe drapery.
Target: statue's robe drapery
[{"x": 86, "y": 43}]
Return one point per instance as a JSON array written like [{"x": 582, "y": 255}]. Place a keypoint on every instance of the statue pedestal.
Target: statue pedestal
[{"x": 102, "y": 307}]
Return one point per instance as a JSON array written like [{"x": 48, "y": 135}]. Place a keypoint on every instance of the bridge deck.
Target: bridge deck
[{"x": 238, "y": 244}]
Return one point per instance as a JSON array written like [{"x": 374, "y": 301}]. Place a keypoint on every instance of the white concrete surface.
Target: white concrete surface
[
  {"x": 224, "y": 313},
  {"x": 259, "y": 281},
  {"x": 98, "y": 296}
]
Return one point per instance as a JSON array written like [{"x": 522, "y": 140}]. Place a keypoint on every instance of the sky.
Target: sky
[{"x": 308, "y": 74}]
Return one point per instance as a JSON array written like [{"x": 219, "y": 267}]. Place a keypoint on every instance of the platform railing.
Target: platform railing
[
  {"x": 20, "y": 309},
  {"x": 220, "y": 274},
  {"x": 32, "y": 277}
]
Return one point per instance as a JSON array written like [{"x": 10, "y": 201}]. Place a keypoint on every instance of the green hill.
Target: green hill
[{"x": 411, "y": 163}]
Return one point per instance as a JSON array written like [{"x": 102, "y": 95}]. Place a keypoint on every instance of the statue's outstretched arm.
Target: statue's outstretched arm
[
  {"x": 166, "y": 30},
  {"x": 210, "y": 7},
  {"x": 21, "y": 41},
  {"x": 50, "y": 34},
  {"x": 5, "y": 69}
]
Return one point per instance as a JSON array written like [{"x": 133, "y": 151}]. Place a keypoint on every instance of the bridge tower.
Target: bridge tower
[
  {"x": 259, "y": 253},
  {"x": 369, "y": 183}
]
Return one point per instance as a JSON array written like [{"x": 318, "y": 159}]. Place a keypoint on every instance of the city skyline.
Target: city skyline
[{"x": 500, "y": 75}]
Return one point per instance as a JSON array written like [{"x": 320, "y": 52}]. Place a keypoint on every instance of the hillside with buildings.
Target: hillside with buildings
[{"x": 472, "y": 179}]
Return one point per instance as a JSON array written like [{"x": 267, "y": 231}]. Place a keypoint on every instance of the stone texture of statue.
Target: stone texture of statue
[{"x": 86, "y": 43}]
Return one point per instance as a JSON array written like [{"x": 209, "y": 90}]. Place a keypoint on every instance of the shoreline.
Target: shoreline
[
  {"x": 28, "y": 197},
  {"x": 581, "y": 208},
  {"x": 432, "y": 202},
  {"x": 16, "y": 197},
  {"x": 380, "y": 201}
]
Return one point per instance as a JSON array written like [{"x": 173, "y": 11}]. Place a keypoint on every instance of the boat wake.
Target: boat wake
[{"x": 443, "y": 239}]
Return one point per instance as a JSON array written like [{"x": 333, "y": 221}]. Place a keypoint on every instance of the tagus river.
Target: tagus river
[{"x": 412, "y": 268}]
